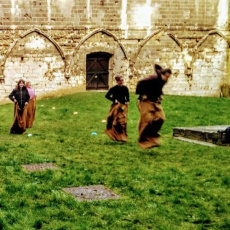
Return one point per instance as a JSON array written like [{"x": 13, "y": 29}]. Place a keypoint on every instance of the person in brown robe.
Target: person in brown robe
[
  {"x": 31, "y": 108},
  {"x": 116, "y": 127},
  {"x": 20, "y": 97},
  {"x": 152, "y": 115}
]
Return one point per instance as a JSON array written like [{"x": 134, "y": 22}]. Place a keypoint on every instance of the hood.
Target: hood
[{"x": 158, "y": 69}]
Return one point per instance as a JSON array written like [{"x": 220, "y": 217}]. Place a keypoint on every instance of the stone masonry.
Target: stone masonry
[{"x": 47, "y": 41}]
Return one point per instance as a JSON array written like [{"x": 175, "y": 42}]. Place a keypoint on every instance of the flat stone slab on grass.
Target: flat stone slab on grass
[
  {"x": 88, "y": 193},
  {"x": 195, "y": 141},
  {"x": 201, "y": 134},
  {"x": 39, "y": 167}
]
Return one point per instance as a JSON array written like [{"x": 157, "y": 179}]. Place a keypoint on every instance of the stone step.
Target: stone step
[
  {"x": 209, "y": 134},
  {"x": 195, "y": 141}
]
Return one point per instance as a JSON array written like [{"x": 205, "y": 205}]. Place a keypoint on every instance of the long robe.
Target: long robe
[
  {"x": 117, "y": 122},
  {"x": 152, "y": 115},
  {"x": 20, "y": 110},
  {"x": 21, "y": 95},
  {"x": 31, "y": 109},
  {"x": 151, "y": 120},
  {"x": 19, "y": 123}
]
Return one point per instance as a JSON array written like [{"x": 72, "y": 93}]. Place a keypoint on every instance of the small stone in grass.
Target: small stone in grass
[
  {"x": 103, "y": 121},
  {"x": 75, "y": 113},
  {"x": 30, "y": 135}
]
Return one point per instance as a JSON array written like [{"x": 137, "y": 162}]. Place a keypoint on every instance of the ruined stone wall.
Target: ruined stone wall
[{"x": 46, "y": 42}]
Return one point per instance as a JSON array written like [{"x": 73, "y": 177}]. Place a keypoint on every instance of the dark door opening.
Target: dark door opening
[{"x": 97, "y": 71}]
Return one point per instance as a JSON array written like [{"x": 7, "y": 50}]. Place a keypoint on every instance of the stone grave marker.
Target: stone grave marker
[
  {"x": 205, "y": 135},
  {"x": 39, "y": 167},
  {"x": 88, "y": 193}
]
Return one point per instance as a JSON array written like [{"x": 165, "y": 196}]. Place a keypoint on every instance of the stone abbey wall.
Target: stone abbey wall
[{"x": 47, "y": 42}]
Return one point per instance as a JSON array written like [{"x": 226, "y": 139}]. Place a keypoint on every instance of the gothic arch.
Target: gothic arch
[
  {"x": 98, "y": 40},
  {"x": 84, "y": 39},
  {"x": 146, "y": 39},
  {"x": 212, "y": 32},
  {"x": 40, "y": 33},
  {"x": 149, "y": 37},
  {"x": 210, "y": 53},
  {"x": 100, "y": 31},
  {"x": 46, "y": 53},
  {"x": 176, "y": 40},
  {"x": 160, "y": 47}
]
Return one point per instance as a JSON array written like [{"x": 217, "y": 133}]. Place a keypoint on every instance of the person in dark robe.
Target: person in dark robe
[
  {"x": 152, "y": 115},
  {"x": 20, "y": 97},
  {"x": 116, "y": 127},
  {"x": 31, "y": 108}
]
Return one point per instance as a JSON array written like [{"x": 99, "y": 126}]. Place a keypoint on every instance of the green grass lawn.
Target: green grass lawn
[{"x": 176, "y": 186}]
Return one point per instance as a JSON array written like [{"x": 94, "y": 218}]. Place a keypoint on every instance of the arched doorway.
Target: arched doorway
[{"x": 97, "y": 71}]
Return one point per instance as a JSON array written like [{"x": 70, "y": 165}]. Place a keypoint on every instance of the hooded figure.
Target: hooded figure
[{"x": 152, "y": 115}]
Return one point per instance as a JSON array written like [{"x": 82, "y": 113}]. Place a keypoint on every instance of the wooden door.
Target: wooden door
[{"x": 97, "y": 71}]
